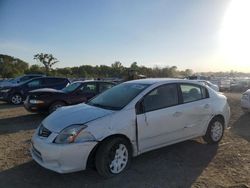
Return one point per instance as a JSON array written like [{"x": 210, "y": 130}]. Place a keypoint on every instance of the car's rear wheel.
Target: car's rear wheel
[
  {"x": 215, "y": 131},
  {"x": 113, "y": 157},
  {"x": 55, "y": 106},
  {"x": 16, "y": 99}
]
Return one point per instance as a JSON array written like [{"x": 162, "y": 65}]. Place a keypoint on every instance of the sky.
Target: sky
[{"x": 189, "y": 34}]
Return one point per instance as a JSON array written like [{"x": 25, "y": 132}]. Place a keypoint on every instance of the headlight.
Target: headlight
[
  {"x": 33, "y": 101},
  {"x": 5, "y": 90},
  {"x": 74, "y": 134}
]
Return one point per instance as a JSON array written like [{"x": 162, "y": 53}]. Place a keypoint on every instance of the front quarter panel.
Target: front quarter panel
[{"x": 121, "y": 122}]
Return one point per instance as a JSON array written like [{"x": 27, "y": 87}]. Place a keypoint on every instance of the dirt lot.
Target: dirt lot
[{"x": 188, "y": 164}]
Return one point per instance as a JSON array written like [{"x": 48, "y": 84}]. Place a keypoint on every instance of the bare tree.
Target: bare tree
[{"x": 48, "y": 60}]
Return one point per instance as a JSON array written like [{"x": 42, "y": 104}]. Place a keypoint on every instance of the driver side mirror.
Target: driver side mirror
[{"x": 139, "y": 107}]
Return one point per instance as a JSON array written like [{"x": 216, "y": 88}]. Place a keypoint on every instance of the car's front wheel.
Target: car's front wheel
[
  {"x": 55, "y": 106},
  {"x": 16, "y": 99},
  {"x": 113, "y": 156},
  {"x": 215, "y": 131}
]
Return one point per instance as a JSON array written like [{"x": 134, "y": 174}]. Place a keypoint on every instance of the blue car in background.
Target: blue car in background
[{"x": 16, "y": 94}]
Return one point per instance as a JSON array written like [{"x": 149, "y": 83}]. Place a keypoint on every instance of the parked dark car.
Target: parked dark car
[
  {"x": 48, "y": 100},
  {"x": 19, "y": 80},
  {"x": 16, "y": 94}
]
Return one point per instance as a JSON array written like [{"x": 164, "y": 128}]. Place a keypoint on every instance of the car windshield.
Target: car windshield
[
  {"x": 118, "y": 96},
  {"x": 71, "y": 87}
]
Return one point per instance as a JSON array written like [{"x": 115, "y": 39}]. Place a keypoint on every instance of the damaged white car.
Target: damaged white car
[{"x": 127, "y": 120}]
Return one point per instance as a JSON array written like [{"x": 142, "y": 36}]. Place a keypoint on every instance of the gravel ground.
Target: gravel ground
[{"x": 187, "y": 164}]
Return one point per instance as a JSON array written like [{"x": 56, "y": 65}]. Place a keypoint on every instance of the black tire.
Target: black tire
[
  {"x": 208, "y": 137},
  {"x": 16, "y": 99},
  {"x": 53, "y": 107},
  {"x": 106, "y": 153}
]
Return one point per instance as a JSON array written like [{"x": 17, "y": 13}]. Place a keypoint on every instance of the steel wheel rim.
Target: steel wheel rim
[
  {"x": 16, "y": 99},
  {"x": 216, "y": 131},
  {"x": 120, "y": 159}
]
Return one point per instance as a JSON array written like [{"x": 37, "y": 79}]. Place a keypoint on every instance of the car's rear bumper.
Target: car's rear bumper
[{"x": 61, "y": 158}]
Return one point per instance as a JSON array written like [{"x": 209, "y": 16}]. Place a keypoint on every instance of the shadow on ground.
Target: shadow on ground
[
  {"x": 242, "y": 126},
  {"x": 20, "y": 123},
  {"x": 174, "y": 166},
  {"x": 5, "y": 105}
]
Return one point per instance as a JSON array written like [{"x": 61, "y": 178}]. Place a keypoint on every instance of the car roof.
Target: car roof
[
  {"x": 101, "y": 81},
  {"x": 34, "y": 75},
  {"x": 159, "y": 80},
  {"x": 45, "y": 77},
  {"x": 152, "y": 81}
]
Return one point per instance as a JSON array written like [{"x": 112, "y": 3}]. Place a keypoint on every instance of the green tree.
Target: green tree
[
  {"x": 35, "y": 69},
  {"x": 188, "y": 72},
  {"x": 48, "y": 60},
  {"x": 134, "y": 66},
  {"x": 117, "y": 69}
]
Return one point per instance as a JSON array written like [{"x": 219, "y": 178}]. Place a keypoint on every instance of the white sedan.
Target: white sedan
[{"x": 127, "y": 120}]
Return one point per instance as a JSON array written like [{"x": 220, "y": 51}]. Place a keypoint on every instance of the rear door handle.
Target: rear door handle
[
  {"x": 189, "y": 126},
  {"x": 177, "y": 114}
]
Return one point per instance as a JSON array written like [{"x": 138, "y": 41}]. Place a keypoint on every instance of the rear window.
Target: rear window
[{"x": 55, "y": 80}]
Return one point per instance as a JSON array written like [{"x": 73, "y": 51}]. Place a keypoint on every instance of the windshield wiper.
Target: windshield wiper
[{"x": 104, "y": 106}]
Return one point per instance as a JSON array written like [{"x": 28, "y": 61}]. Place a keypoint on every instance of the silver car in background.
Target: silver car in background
[
  {"x": 245, "y": 101},
  {"x": 209, "y": 84}
]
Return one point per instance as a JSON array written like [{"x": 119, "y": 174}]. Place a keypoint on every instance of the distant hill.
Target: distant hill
[
  {"x": 11, "y": 66},
  {"x": 10, "y": 59}
]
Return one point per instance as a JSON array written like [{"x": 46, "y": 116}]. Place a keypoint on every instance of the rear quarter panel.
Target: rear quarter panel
[{"x": 219, "y": 107}]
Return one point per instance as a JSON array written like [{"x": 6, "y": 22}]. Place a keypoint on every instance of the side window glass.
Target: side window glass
[
  {"x": 161, "y": 97},
  {"x": 24, "y": 78},
  {"x": 88, "y": 88},
  {"x": 104, "y": 86},
  {"x": 191, "y": 93},
  {"x": 50, "y": 81},
  {"x": 35, "y": 83}
]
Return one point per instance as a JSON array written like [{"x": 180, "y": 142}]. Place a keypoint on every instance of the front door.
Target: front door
[
  {"x": 84, "y": 93},
  {"x": 162, "y": 119}
]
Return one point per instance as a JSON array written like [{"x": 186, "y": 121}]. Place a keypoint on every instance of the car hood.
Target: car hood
[
  {"x": 46, "y": 90},
  {"x": 7, "y": 84},
  {"x": 76, "y": 114}
]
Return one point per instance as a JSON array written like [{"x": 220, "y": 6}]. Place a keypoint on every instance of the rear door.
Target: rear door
[
  {"x": 32, "y": 85},
  {"x": 196, "y": 108},
  {"x": 55, "y": 83}
]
